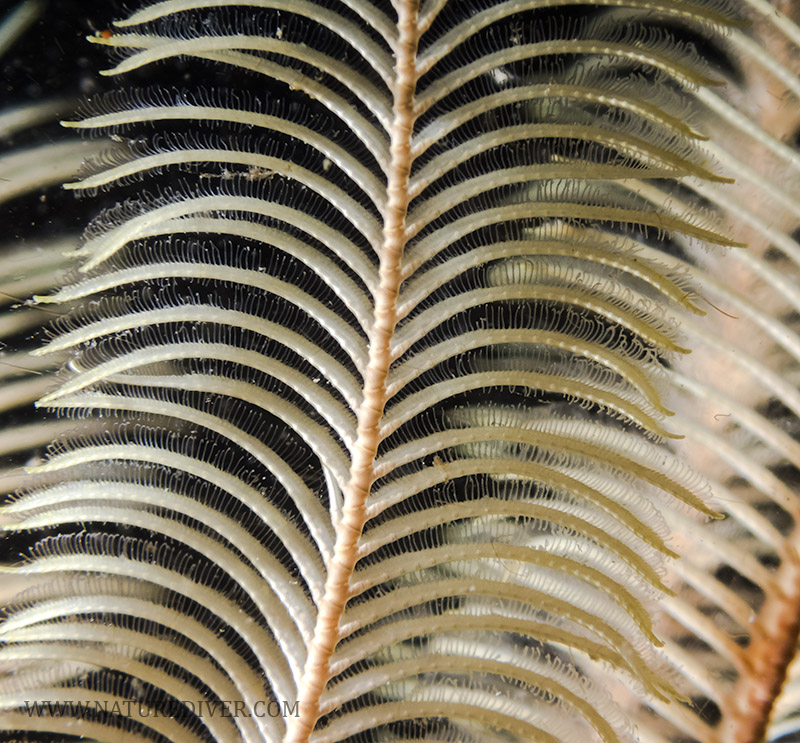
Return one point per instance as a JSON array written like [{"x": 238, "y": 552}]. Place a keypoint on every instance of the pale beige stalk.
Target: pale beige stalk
[{"x": 362, "y": 470}]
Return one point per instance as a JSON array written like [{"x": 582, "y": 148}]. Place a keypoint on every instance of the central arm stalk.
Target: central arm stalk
[{"x": 362, "y": 472}]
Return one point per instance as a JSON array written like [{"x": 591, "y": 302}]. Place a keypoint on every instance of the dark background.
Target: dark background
[
  {"x": 53, "y": 56},
  {"x": 52, "y": 60}
]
